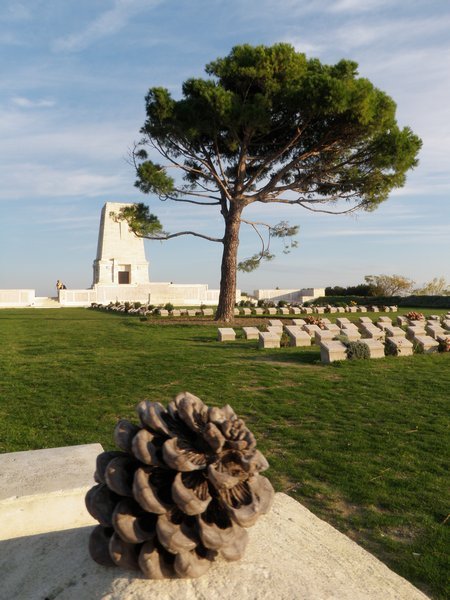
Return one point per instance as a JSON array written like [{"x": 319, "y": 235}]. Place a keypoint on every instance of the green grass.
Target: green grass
[{"x": 363, "y": 444}]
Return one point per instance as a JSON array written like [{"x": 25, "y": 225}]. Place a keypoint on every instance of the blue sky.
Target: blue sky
[{"x": 74, "y": 77}]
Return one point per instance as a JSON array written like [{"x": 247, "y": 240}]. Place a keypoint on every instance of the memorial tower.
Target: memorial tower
[{"x": 120, "y": 253}]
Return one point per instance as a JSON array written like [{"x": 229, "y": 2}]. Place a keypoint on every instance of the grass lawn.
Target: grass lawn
[{"x": 363, "y": 444}]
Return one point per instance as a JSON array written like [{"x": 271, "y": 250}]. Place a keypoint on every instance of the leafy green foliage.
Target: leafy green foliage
[
  {"x": 269, "y": 125},
  {"x": 389, "y": 285},
  {"x": 357, "y": 350},
  {"x": 140, "y": 220}
]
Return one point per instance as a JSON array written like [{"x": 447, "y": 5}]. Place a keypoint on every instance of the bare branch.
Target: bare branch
[{"x": 169, "y": 236}]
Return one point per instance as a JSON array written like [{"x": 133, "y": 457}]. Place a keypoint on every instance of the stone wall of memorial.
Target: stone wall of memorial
[{"x": 17, "y": 298}]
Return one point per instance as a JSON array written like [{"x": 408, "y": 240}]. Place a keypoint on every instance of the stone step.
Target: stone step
[
  {"x": 291, "y": 555},
  {"x": 46, "y": 302},
  {"x": 44, "y": 490}
]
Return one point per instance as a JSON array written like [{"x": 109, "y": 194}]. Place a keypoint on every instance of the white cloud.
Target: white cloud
[
  {"x": 23, "y": 102},
  {"x": 42, "y": 181},
  {"x": 105, "y": 25},
  {"x": 353, "y": 6}
]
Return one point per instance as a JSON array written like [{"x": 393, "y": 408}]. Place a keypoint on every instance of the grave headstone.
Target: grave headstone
[
  {"x": 297, "y": 337},
  {"x": 258, "y": 310},
  {"x": 341, "y": 320},
  {"x": 372, "y": 332},
  {"x": 331, "y": 351},
  {"x": 299, "y": 322},
  {"x": 401, "y": 346},
  {"x": 207, "y": 312},
  {"x": 267, "y": 339},
  {"x": 426, "y": 344},
  {"x": 283, "y": 311},
  {"x": 295, "y": 310},
  {"x": 376, "y": 348},
  {"x": 323, "y": 335},
  {"x": 251, "y": 333},
  {"x": 276, "y": 323},
  {"x": 226, "y": 334},
  {"x": 271, "y": 311},
  {"x": 394, "y": 331}
]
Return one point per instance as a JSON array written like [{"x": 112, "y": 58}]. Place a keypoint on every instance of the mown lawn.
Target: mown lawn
[{"x": 363, "y": 444}]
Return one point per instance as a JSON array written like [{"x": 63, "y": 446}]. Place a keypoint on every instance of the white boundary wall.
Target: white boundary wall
[
  {"x": 151, "y": 293},
  {"x": 17, "y": 298},
  {"x": 290, "y": 295}
]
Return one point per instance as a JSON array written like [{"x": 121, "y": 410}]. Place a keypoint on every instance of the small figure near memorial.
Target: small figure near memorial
[{"x": 59, "y": 285}]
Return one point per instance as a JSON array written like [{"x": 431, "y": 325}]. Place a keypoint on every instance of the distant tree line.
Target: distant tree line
[{"x": 391, "y": 285}]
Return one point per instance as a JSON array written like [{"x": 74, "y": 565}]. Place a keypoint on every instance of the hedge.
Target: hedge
[{"x": 413, "y": 301}]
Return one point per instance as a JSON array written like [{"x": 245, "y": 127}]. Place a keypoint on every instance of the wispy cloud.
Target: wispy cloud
[
  {"x": 108, "y": 23},
  {"x": 42, "y": 181},
  {"x": 23, "y": 102},
  {"x": 353, "y": 6}
]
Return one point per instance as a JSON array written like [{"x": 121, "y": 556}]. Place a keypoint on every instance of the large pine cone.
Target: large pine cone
[{"x": 182, "y": 490}]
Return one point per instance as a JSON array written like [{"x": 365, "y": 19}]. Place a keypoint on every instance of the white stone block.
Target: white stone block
[
  {"x": 299, "y": 322},
  {"x": 207, "y": 312},
  {"x": 362, "y": 309},
  {"x": 376, "y": 348},
  {"x": 341, "y": 320},
  {"x": 271, "y": 311},
  {"x": 393, "y": 308},
  {"x": 267, "y": 339},
  {"x": 163, "y": 312},
  {"x": 237, "y": 312},
  {"x": 258, "y": 310},
  {"x": 295, "y": 310},
  {"x": 340, "y": 309},
  {"x": 275, "y": 330},
  {"x": 191, "y": 313},
  {"x": 426, "y": 344},
  {"x": 297, "y": 337},
  {"x": 353, "y": 335},
  {"x": 276, "y": 323},
  {"x": 372, "y": 332},
  {"x": 251, "y": 333},
  {"x": 311, "y": 329},
  {"x": 331, "y": 351},
  {"x": 446, "y": 323},
  {"x": 333, "y": 327},
  {"x": 226, "y": 334},
  {"x": 323, "y": 335},
  {"x": 44, "y": 490},
  {"x": 434, "y": 331},
  {"x": 332, "y": 310},
  {"x": 349, "y": 327},
  {"x": 319, "y": 310},
  {"x": 283, "y": 311},
  {"x": 414, "y": 330},
  {"x": 333, "y": 567},
  {"x": 394, "y": 331},
  {"x": 402, "y": 321},
  {"x": 246, "y": 312},
  {"x": 374, "y": 308},
  {"x": 176, "y": 312},
  {"x": 365, "y": 320},
  {"x": 352, "y": 309},
  {"x": 307, "y": 310},
  {"x": 402, "y": 346}
]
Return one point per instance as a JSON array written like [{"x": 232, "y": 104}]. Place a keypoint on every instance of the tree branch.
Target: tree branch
[{"x": 169, "y": 236}]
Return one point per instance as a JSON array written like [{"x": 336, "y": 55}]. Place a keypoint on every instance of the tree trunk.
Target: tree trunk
[{"x": 227, "y": 295}]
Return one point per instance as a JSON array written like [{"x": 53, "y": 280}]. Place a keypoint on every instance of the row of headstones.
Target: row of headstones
[
  {"x": 426, "y": 336},
  {"x": 308, "y": 310},
  {"x": 146, "y": 311}
]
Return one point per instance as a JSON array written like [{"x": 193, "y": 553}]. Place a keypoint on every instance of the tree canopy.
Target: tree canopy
[{"x": 266, "y": 126}]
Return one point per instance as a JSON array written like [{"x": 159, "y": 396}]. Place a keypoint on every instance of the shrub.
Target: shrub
[
  {"x": 284, "y": 340},
  {"x": 444, "y": 344},
  {"x": 168, "y": 306},
  {"x": 282, "y": 303},
  {"x": 137, "y": 305},
  {"x": 357, "y": 350}
]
